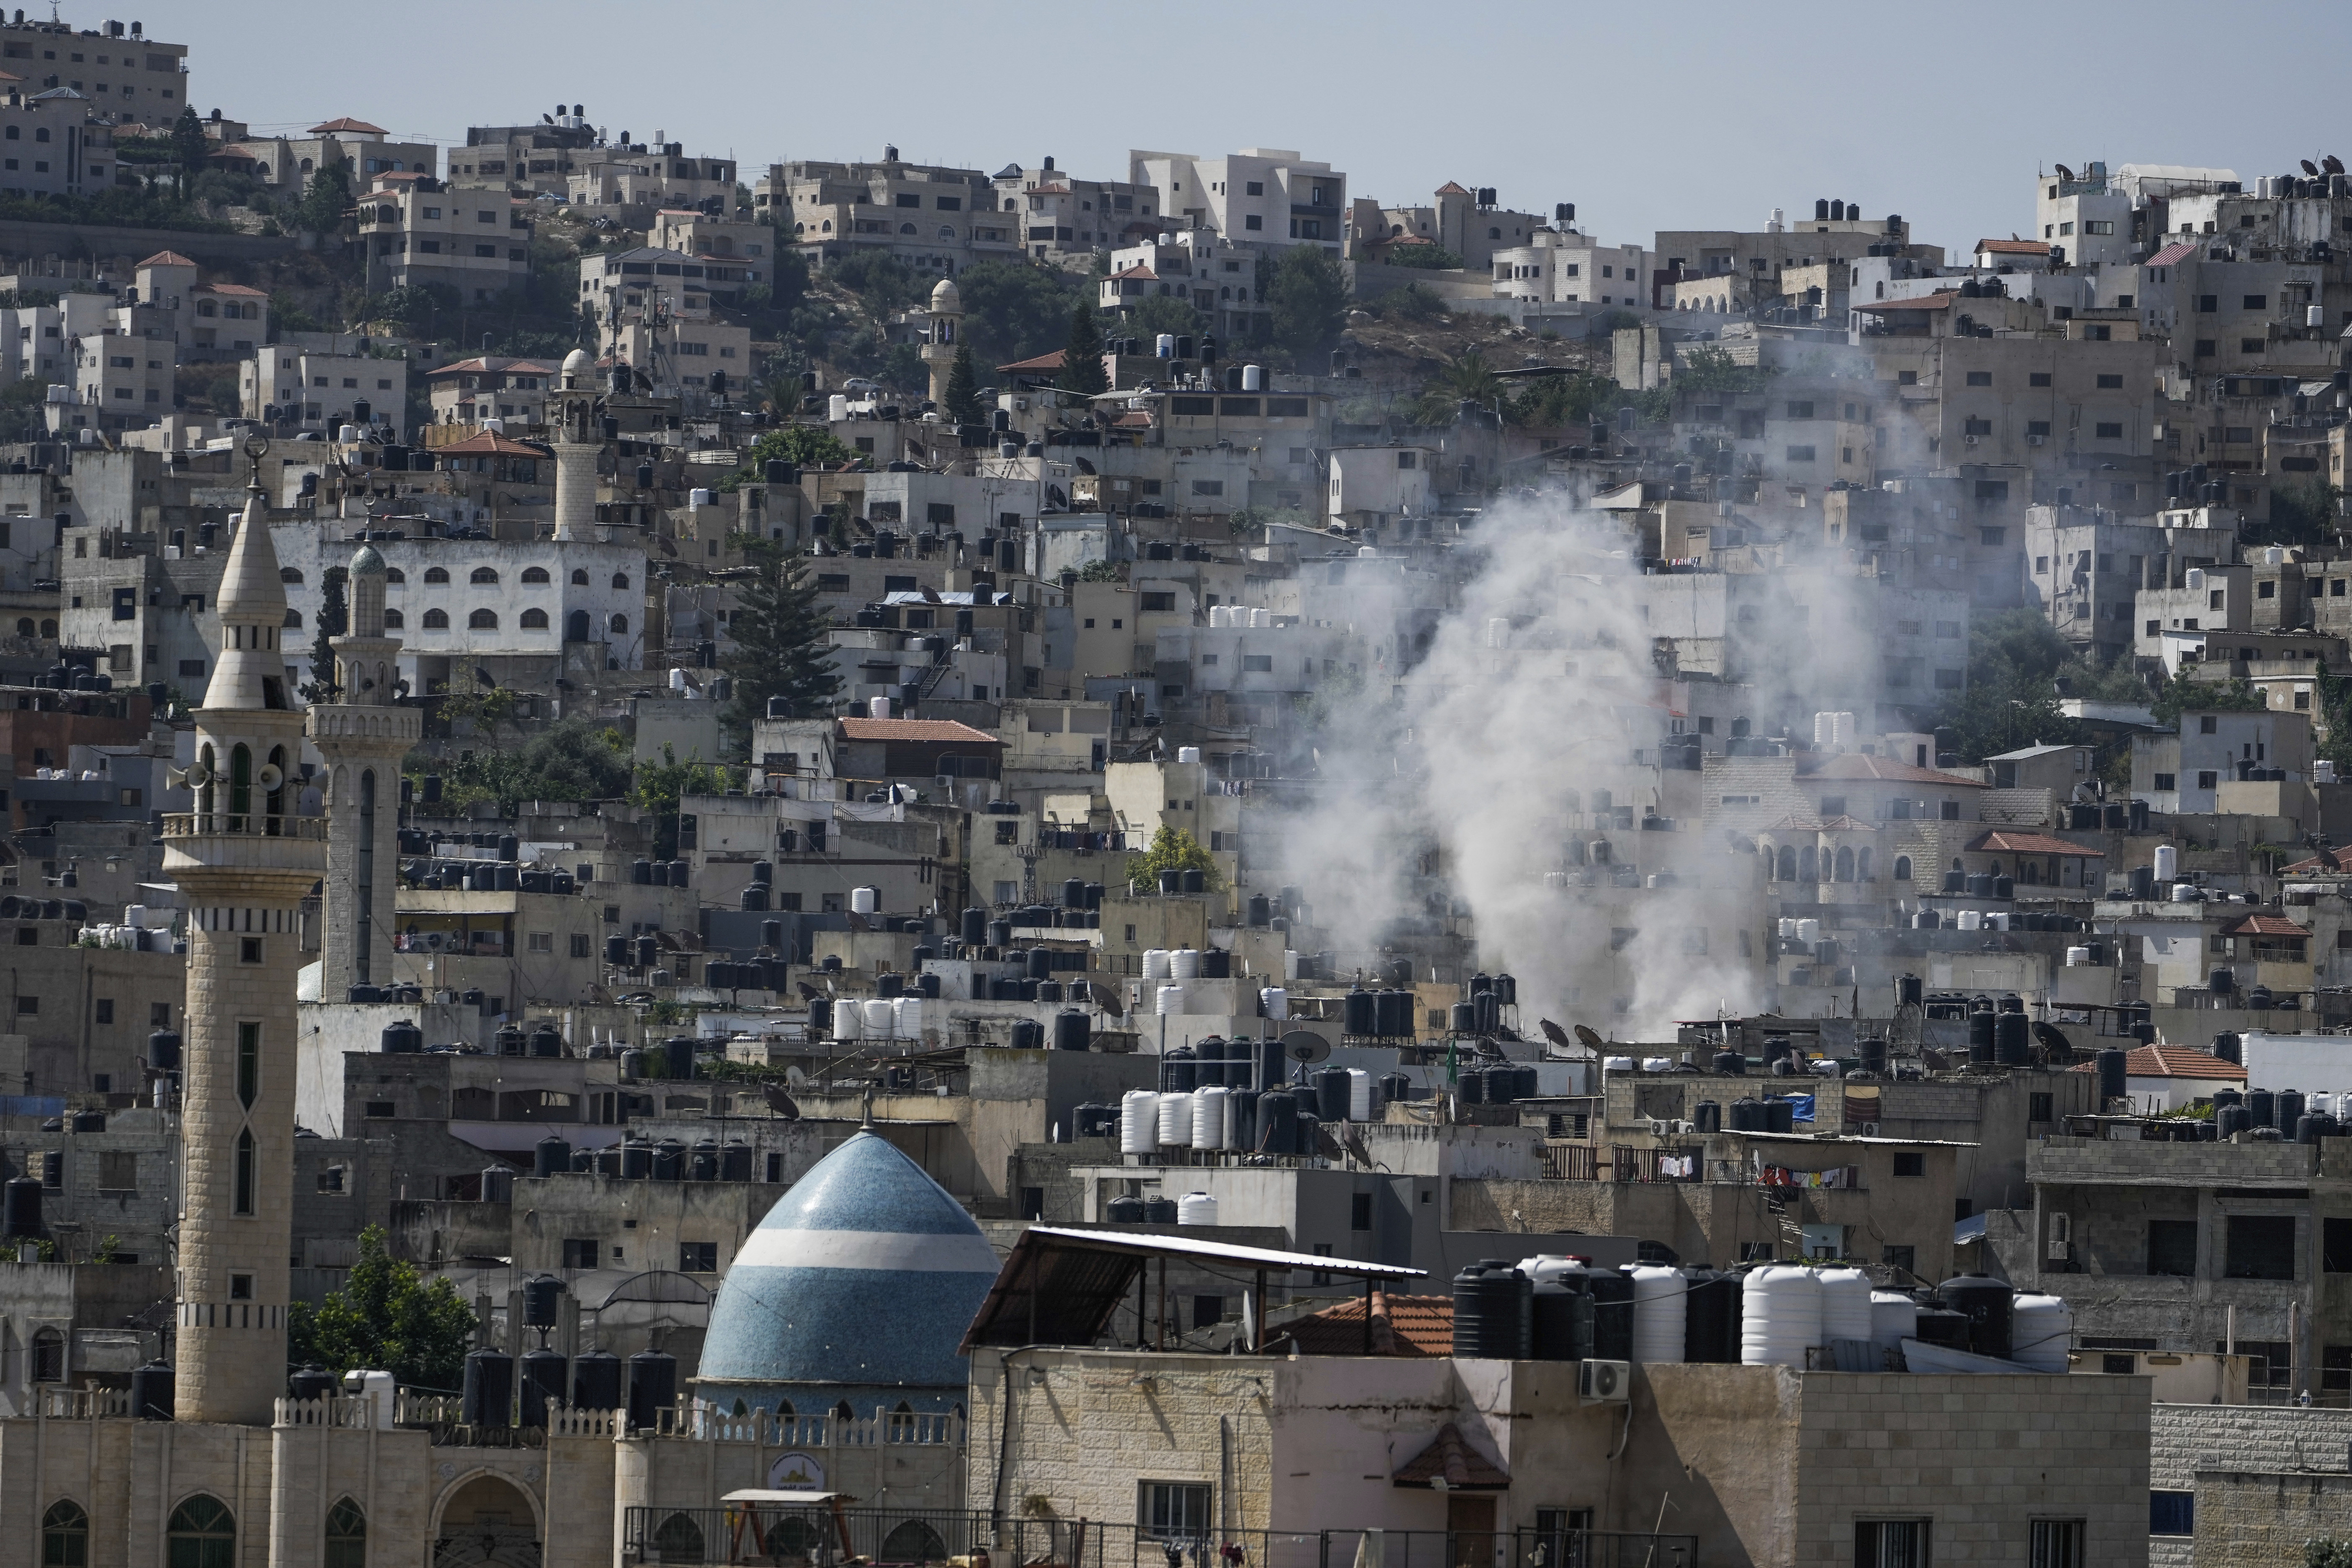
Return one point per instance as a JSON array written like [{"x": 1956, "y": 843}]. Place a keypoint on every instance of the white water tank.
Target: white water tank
[
  {"x": 1221, "y": 615},
  {"x": 2168, "y": 863},
  {"x": 2315, "y": 315},
  {"x": 1138, "y": 1121},
  {"x": 1359, "y": 1095},
  {"x": 1845, "y": 1304},
  {"x": 1164, "y": 346},
  {"x": 2323, "y": 771},
  {"x": 1657, "y": 1064},
  {"x": 1167, "y": 999},
  {"x": 1780, "y": 1316},
  {"x": 1969, "y": 919},
  {"x": 1894, "y": 1318},
  {"x": 879, "y": 1017},
  {"x": 1196, "y": 1208},
  {"x": 877, "y": 708},
  {"x": 1499, "y": 631},
  {"x": 836, "y": 407},
  {"x": 906, "y": 1018},
  {"x": 1809, "y": 931},
  {"x": 698, "y": 497},
  {"x": 1155, "y": 963},
  {"x": 1787, "y": 928},
  {"x": 1188, "y": 754},
  {"x": 1209, "y": 1117},
  {"x": 864, "y": 900},
  {"x": 2184, "y": 892},
  {"x": 1261, "y": 619},
  {"x": 1184, "y": 964},
  {"x": 1275, "y": 1002},
  {"x": 1253, "y": 378},
  {"x": 2077, "y": 957},
  {"x": 2040, "y": 1332},
  {"x": 848, "y": 1022},
  {"x": 1175, "y": 1121},
  {"x": 1289, "y": 965},
  {"x": 1661, "y": 1303},
  {"x": 378, "y": 1389},
  {"x": 2196, "y": 577},
  {"x": 1617, "y": 1064}
]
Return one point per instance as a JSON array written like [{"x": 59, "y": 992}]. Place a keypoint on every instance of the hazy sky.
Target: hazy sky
[{"x": 1696, "y": 115}]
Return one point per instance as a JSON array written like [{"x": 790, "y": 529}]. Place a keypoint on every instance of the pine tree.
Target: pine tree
[
  {"x": 1081, "y": 369},
  {"x": 189, "y": 144},
  {"x": 963, "y": 389},
  {"x": 783, "y": 642},
  {"x": 334, "y": 620}
]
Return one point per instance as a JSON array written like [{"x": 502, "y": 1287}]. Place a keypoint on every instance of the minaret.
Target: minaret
[
  {"x": 572, "y": 412},
  {"x": 244, "y": 862},
  {"x": 947, "y": 327},
  {"x": 363, "y": 736}
]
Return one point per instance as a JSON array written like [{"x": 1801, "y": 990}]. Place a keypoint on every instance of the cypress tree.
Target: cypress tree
[
  {"x": 783, "y": 642},
  {"x": 963, "y": 390},
  {"x": 1081, "y": 369},
  {"x": 334, "y": 620}
]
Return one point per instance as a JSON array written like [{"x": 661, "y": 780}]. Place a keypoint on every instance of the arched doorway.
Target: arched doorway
[{"x": 487, "y": 1523}]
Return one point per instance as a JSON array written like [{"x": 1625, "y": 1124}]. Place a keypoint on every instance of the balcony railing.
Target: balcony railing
[{"x": 244, "y": 824}]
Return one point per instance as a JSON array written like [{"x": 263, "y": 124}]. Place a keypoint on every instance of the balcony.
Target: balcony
[{"x": 243, "y": 824}]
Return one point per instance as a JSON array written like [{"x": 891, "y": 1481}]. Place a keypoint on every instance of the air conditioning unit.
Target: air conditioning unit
[
  {"x": 2061, "y": 1239},
  {"x": 1604, "y": 1382},
  {"x": 2035, "y": 440},
  {"x": 1972, "y": 440}
]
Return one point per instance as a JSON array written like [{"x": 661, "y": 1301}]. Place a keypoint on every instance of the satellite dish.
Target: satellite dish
[
  {"x": 1590, "y": 1040},
  {"x": 268, "y": 776},
  {"x": 1305, "y": 1046}
]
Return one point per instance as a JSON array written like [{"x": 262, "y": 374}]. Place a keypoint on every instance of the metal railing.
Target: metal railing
[
  {"x": 689, "y": 1420},
  {"x": 1597, "y": 1162},
  {"x": 1505, "y": 1549},
  {"x": 243, "y": 824}
]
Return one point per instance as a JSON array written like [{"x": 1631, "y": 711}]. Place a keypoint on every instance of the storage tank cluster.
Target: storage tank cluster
[
  {"x": 637, "y": 1159},
  {"x": 2286, "y": 1115},
  {"x": 492, "y": 863},
  {"x": 1173, "y": 1122},
  {"x": 1387, "y": 1014},
  {"x": 496, "y": 1398}
]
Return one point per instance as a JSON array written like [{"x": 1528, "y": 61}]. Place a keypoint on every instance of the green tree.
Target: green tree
[
  {"x": 1433, "y": 257},
  {"x": 1156, "y": 313},
  {"x": 386, "y": 1317},
  {"x": 1308, "y": 300},
  {"x": 334, "y": 620},
  {"x": 2327, "y": 1552},
  {"x": 1467, "y": 378},
  {"x": 963, "y": 390},
  {"x": 1713, "y": 369},
  {"x": 1173, "y": 849},
  {"x": 782, "y": 642},
  {"x": 661, "y": 786},
  {"x": 1411, "y": 303},
  {"x": 2186, "y": 693},
  {"x": 2303, "y": 511},
  {"x": 575, "y": 760},
  {"x": 881, "y": 281},
  {"x": 802, "y": 445},
  {"x": 2012, "y": 698},
  {"x": 903, "y": 368},
  {"x": 189, "y": 145},
  {"x": 1013, "y": 310},
  {"x": 325, "y": 199},
  {"x": 1574, "y": 398},
  {"x": 1081, "y": 369}
]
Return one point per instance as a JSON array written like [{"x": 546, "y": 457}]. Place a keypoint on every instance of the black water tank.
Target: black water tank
[
  {"x": 2013, "y": 1039},
  {"x": 596, "y": 1381},
  {"x": 1393, "y": 1014},
  {"x": 975, "y": 928},
  {"x": 20, "y": 1209},
  {"x": 1359, "y": 1013},
  {"x": 151, "y": 1391},
  {"x": 1194, "y": 881},
  {"x": 1493, "y": 1313},
  {"x": 2288, "y": 1110},
  {"x": 1779, "y": 1115},
  {"x": 2229, "y": 1121},
  {"x": 1908, "y": 990},
  {"x": 1160, "y": 1211},
  {"x": 1710, "y": 1318},
  {"x": 702, "y": 1164},
  {"x": 2313, "y": 1126},
  {"x": 1308, "y": 1142},
  {"x": 1747, "y": 1116},
  {"x": 1612, "y": 1315},
  {"x": 669, "y": 1161},
  {"x": 313, "y": 1382},
  {"x": 1277, "y": 1124},
  {"x": 1125, "y": 1211},
  {"x": 1072, "y": 1030},
  {"x": 1871, "y": 1050},
  {"x": 399, "y": 1040},
  {"x": 542, "y": 1383},
  {"x": 2111, "y": 1064},
  {"x": 542, "y": 1297},
  {"x": 489, "y": 1388},
  {"x": 1730, "y": 1064},
  {"x": 163, "y": 1050},
  {"x": 652, "y": 1386},
  {"x": 1560, "y": 1316},
  {"x": 1706, "y": 1116},
  {"x": 551, "y": 1155},
  {"x": 1982, "y": 1049},
  {"x": 2262, "y": 1108},
  {"x": 1332, "y": 1094},
  {"x": 546, "y": 1041},
  {"x": 677, "y": 1054},
  {"x": 1985, "y": 1302}
]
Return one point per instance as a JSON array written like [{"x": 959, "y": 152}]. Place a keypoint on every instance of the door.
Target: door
[{"x": 1470, "y": 1532}]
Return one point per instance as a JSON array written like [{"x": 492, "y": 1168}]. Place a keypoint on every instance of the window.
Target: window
[
  {"x": 532, "y": 576},
  {"x": 47, "y": 1356},
  {"x": 619, "y": 624},
  {"x": 1890, "y": 1543},
  {"x": 248, "y": 949},
  {"x": 2259, "y": 1246},
  {"x": 543, "y": 941},
  {"x": 1174, "y": 1510},
  {"x": 2038, "y": 378},
  {"x": 2209, "y": 779},
  {"x": 2208, "y": 724},
  {"x": 2335, "y": 1245},
  {"x": 2038, "y": 1108},
  {"x": 2111, "y": 384},
  {"x": 1360, "y": 1212},
  {"x": 679, "y": 1539},
  {"x": 203, "y": 1534},
  {"x": 437, "y": 574},
  {"x": 65, "y": 1529},
  {"x": 1980, "y": 378},
  {"x": 243, "y": 1175},
  {"x": 117, "y": 1171},
  {"x": 2057, "y": 1543},
  {"x": 249, "y": 1063},
  {"x": 482, "y": 621},
  {"x": 346, "y": 1536},
  {"x": 534, "y": 620},
  {"x": 2171, "y": 1513},
  {"x": 2167, "y": 782},
  {"x": 2107, "y": 430},
  {"x": 579, "y": 1254},
  {"x": 698, "y": 1257},
  {"x": 1911, "y": 1164},
  {"x": 580, "y": 944}
]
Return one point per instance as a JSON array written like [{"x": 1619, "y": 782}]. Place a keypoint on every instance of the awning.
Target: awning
[
  {"x": 1060, "y": 1286},
  {"x": 1450, "y": 1459},
  {"x": 1968, "y": 1230}
]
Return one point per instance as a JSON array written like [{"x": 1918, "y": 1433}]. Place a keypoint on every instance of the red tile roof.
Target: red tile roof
[
  {"x": 1450, "y": 1455},
  {"x": 2264, "y": 925},
  {"x": 1042, "y": 362},
  {"x": 1139, "y": 270},
  {"x": 2030, "y": 844},
  {"x": 1886, "y": 770},
  {"x": 2332, "y": 862},
  {"x": 2172, "y": 254},
  {"x": 167, "y": 258},
  {"x": 1401, "y": 1326},
  {"x": 497, "y": 363},
  {"x": 238, "y": 288},
  {"x": 1450, "y": 188},
  {"x": 2174, "y": 1061},
  {"x": 936, "y": 730},
  {"x": 2013, "y": 247},
  {"x": 490, "y": 444},
  {"x": 1932, "y": 302},
  {"x": 348, "y": 123}
]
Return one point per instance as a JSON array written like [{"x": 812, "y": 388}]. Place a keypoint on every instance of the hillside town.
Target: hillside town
[{"x": 1091, "y": 840}]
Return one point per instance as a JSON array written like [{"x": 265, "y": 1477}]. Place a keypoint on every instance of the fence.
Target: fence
[
  {"x": 817, "y": 1536},
  {"x": 1592, "y": 1162},
  {"x": 689, "y": 1420}
]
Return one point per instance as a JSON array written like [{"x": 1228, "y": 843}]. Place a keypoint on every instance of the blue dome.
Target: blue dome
[{"x": 865, "y": 1273}]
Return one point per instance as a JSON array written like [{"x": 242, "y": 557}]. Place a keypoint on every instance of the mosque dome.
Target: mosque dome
[
  {"x": 866, "y": 1272},
  {"x": 577, "y": 363},
  {"x": 367, "y": 563},
  {"x": 946, "y": 297}
]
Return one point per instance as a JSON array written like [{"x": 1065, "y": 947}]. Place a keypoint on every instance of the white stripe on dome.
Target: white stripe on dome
[{"x": 895, "y": 1251}]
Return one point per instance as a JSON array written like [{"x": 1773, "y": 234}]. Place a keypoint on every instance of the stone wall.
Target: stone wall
[{"x": 2246, "y": 1454}]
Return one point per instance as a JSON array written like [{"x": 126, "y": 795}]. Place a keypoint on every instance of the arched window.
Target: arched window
[
  {"x": 48, "y": 1356},
  {"x": 783, "y": 1410},
  {"x": 534, "y": 620},
  {"x": 203, "y": 1534},
  {"x": 483, "y": 574},
  {"x": 1788, "y": 866},
  {"x": 946, "y": 231},
  {"x": 1844, "y": 872},
  {"x": 621, "y": 581},
  {"x": 1903, "y": 867},
  {"x": 579, "y": 578},
  {"x": 677, "y": 1540},
  {"x": 620, "y": 625},
  {"x": 914, "y": 1541},
  {"x": 534, "y": 575},
  {"x": 436, "y": 620},
  {"x": 240, "y": 782},
  {"x": 48, "y": 629},
  {"x": 482, "y": 621},
  {"x": 289, "y": 575},
  {"x": 842, "y": 1411},
  {"x": 906, "y": 228},
  {"x": 1862, "y": 863},
  {"x": 293, "y": 620},
  {"x": 575, "y": 627},
  {"x": 346, "y": 1536},
  {"x": 65, "y": 1536},
  {"x": 395, "y": 621},
  {"x": 26, "y": 628},
  {"x": 395, "y": 574},
  {"x": 435, "y": 574},
  {"x": 2028, "y": 872},
  {"x": 1994, "y": 868},
  {"x": 1807, "y": 867}
]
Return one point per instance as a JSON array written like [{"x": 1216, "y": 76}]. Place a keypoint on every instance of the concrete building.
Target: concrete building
[
  {"x": 132, "y": 76},
  {"x": 933, "y": 217},
  {"x": 417, "y": 231},
  {"x": 297, "y": 389},
  {"x": 1268, "y": 198}
]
